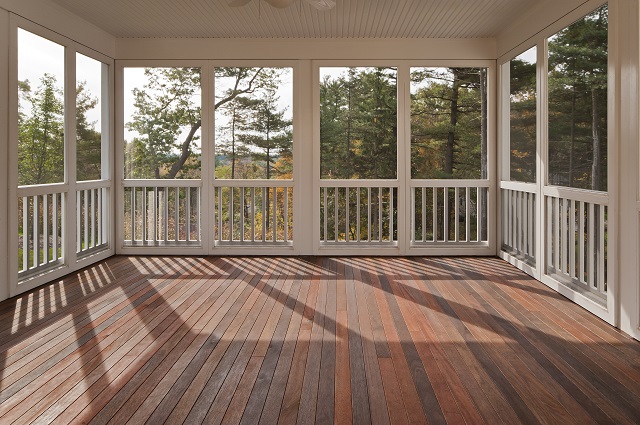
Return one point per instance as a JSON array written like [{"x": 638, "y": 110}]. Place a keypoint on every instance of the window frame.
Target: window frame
[{"x": 71, "y": 260}]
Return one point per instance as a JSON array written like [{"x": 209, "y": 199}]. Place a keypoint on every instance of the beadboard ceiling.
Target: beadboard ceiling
[{"x": 349, "y": 19}]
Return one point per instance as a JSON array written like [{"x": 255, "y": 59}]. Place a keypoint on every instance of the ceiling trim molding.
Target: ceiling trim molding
[{"x": 256, "y": 49}]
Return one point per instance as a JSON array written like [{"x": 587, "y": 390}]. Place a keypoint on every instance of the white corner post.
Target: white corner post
[
  {"x": 627, "y": 172},
  {"x": 5, "y": 29},
  {"x": 305, "y": 229}
]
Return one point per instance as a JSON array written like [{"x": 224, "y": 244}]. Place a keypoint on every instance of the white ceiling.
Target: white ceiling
[{"x": 349, "y": 19}]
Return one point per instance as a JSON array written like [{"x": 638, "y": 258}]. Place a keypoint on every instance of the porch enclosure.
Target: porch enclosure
[
  {"x": 319, "y": 156},
  {"x": 556, "y": 151}
]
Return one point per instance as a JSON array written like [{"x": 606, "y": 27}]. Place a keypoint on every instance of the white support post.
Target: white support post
[
  {"x": 71, "y": 217},
  {"x": 406, "y": 214},
  {"x": 543, "y": 225},
  {"x": 206, "y": 218},
  {"x": 627, "y": 149},
  {"x": 306, "y": 167},
  {"x": 7, "y": 201},
  {"x": 117, "y": 175}
]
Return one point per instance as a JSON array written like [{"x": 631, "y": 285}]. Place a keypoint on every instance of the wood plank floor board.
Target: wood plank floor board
[
  {"x": 75, "y": 326},
  {"x": 220, "y": 330},
  {"x": 66, "y": 408},
  {"x": 457, "y": 359},
  {"x": 273, "y": 403},
  {"x": 359, "y": 395},
  {"x": 87, "y": 356},
  {"x": 583, "y": 362},
  {"x": 165, "y": 366},
  {"x": 135, "y": 378},
  {"x": 179, "y": 402},
  {"x": 69, "y": 364},
  {"x": 582, "y": 406},
  {"x": 346, "y": 340},
  {"x": 402, "y": 373},
  {"x": 225, "y": 363},
  {"x": 529, "y": 379},
  {"x": 167, "y": 352}
]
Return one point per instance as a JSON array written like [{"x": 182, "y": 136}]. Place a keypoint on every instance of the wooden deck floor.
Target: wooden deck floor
[{"x": 310, "y": 340}]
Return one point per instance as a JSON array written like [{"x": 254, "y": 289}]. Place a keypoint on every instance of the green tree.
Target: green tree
[
  {"x": 41, "y": 133},
  {"x": 448, "y": 123},
  {"x": 230, "y": 137},
  {"x": 88, "y": 139},
  {"x": 578, "y": 103},
  {"x": 168, "y": 118},
  {"x": 358, "y": 129},
  {"x": 523, "y": 120},
  {"x": 165, "y": 106}
]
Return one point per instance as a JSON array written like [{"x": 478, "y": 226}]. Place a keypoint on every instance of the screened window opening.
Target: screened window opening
[
  {"x": 522, "y": 117},
  {"x": 40, "y": 110},
  {"x": 449, "y": 123},
  {"x": 92, "y": 108},
  {"x": 254, "y": 123},
  {"x": 358, "y": 123},
  {"x": 162, "y": 109},
  {"x": 578, "y": 103}
]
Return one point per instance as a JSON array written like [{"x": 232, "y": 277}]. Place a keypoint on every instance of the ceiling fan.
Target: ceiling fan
[{"x": 318, "y": 4}]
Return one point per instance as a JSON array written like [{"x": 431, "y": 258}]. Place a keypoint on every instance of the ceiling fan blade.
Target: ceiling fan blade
[
  {"x": 280, "y": 3},
  {"x": 238, "y": 3},
  {"x": 322, "y": 4}
]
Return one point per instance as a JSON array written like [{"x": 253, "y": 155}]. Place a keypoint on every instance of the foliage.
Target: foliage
[
  {"x": 448, "y": 123},
  {"x": 40, "y": 133},
  {"x": 257, "y": 141},
  {"x": 88, "y": 140},
  {"x": 165, "y": 107},
  {"x": 523, "y": 120},
  {"x": 578, "y": 103},
  {"x": 358, "y": 124}
]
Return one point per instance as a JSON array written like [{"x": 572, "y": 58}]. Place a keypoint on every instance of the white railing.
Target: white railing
[
  {"x": 519, "y": 220},
  {"x": 253, "y": 212},
  {"x": 92, "y": 205},
  {"x": 362, "y": 212},
  {"x": 576, "y": 238},
  {"x": 162, "y": 212},
  {"x": 41, "y": 227},
  {"x": 449, "y": 211}
]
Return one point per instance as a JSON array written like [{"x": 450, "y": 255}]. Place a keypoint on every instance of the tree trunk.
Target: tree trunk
[
  {"x": 595, "y": 118},
  {"x": 453, "y": 121},
  {"x": 233, "y": 142},
  {"x": 184, "y": 151},
  {"x": 348, "y": 153},
  {"x": 573, "y": 135}
]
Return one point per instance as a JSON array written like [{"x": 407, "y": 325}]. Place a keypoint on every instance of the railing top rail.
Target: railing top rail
[
  {"x": 358, "y": 183},
  {"x": 42, "y": 189},
  {"x": 162, "y": 183},
  {"x": 93, "y": 184},
  {"x": 574, "y": 194},
  {"x": 449, "y": 183},
  {"x": 252, "y": 183},
  {"x": 519, "y": 186}
]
